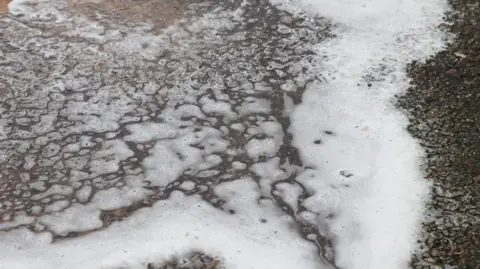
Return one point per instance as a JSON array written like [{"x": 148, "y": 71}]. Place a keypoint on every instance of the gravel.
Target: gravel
[
  {"x": 444, "y": 107},
  {"x": 195, "y": 260}
]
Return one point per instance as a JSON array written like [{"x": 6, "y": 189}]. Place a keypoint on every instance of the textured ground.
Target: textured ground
[
  {"x": 82, "y": 107},
  {"x": 195, "y": 260},
  {"x": 444, "y": 102},
  {"x": 111, "y": 108},
  {"x": 4, "y": 6}
]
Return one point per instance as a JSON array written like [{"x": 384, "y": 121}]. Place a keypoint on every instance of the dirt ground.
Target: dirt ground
[
  {"x": 160, "y": 13},
  {"x": 4, "y": 6}
]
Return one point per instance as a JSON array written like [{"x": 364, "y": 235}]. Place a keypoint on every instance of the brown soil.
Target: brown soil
[
  {"x": 159, "y": 12},
  {"x": 4, "y": 6}
]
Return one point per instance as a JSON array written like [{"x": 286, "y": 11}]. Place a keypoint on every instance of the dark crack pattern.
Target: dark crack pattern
[{"x": 88, "y": 115}]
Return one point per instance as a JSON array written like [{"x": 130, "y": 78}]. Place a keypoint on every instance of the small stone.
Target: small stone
[
  {"x": 346, "y": 173},
  {"x": 452, "y": 72},
  {"x": 461, "y": 55}
]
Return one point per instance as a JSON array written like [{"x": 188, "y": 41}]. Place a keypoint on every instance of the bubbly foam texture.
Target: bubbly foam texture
[
  {"x": 234, "y": 128},
  {"x": 366, "y": 180}
]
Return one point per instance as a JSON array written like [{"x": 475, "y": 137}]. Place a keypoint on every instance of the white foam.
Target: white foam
[
  {"x": 269, "y": 172},
  {"x": 114, "y": 198},
  {"x": 289, "y": 193},
  {"x": 83, "y": 193},
  {"x": 163, "y": 165},
  {"x": 116, "y": 151},
  {"x": 254, "y": 105},
  {"x": 143, "y": 132},
  {"x": 377, "y": 210},
  {"x": 174, "y": 227},
  {"x": 261, "y": 147},
  {"x": 57, "y": 206},
  {"x": 238, "y": 165},
  {"x": 77, "y": 218},
  {"x": 375, "y": 217},
  {"x": 222, "y": 108},
  {"x": 188, "y": 185},
  {"x": 54, "y": 189}
]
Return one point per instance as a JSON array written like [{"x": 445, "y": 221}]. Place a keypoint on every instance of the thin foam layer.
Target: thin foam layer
[
  {"x": 366, "y": 180},
  {"x": 136, "y": 113},
  {"x": 261, "y": 236}
]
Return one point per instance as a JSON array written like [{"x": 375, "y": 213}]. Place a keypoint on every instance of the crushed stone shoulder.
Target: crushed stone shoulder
[{"x": 444, "y": 107}]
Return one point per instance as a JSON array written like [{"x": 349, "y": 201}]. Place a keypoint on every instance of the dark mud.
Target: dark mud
[{"x": 444, "y": 105}]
